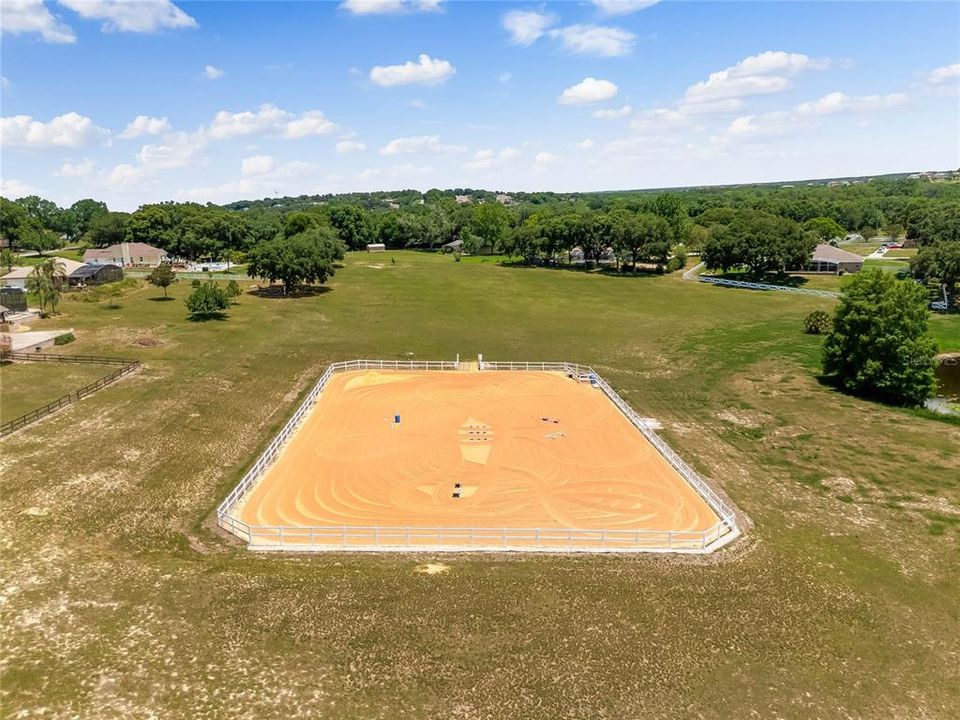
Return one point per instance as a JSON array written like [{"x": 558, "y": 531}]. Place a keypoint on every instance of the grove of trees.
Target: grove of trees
[{"x": 760, "y": 229}]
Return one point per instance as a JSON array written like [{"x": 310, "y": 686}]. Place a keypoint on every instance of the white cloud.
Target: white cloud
[
  {"x": 75, "y": 169},
  {"x": 779, "y": 122},
  {"x": 145, "y": 125},
  {"x": 622, "y": 7},
  {"x": 212, "y": 73},
  {"x": 348, "y": 146},
  {"x": 421, "y": 144},
  {"x": 312, "y": 122},
  {"x": 258, "y": 165},
  {"x": 488, "y": 158},
  {"x": 713, "y": 107},
  {"x": 281, "y": 179},
  {"x": 69, "y": 130},
  {"x": 5, "y": 82},
  {"x": 426, "y": 71},
  {"x": 585, "y": 144},
  {"x": 32, "y": 16},
  {"x": 659, "y": 119},
  {"x": 527, "y": 26},
  {"x": 545, "y": 158},
  {"x": 125, "y": 174},
  {"x": 269, "y": 120},
  {"x": 750, "y": 128},
  {"x": 839, "y": 102},
  {"x": 595, "y": 40},
  {"x": 587, "y": 91},
  {"x": 15, "y": 189},
  {"x": 505, "y": 77},
  {"x": 612, "y": 114},
  {"x": 762, "y": 74},
  {"x": 941, "y": 74},
  {"x": 390, "y": 7},
  {"x": 142, "y": 16},
  {"x": 175, "y": 150}
]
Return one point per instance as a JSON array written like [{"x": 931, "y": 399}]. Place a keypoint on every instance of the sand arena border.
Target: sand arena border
[{"x": 596, "y": 478}]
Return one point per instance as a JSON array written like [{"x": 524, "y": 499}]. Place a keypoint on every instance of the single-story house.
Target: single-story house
[
  {"x": 829, "y": 259},
  {"x": 126, "y": 254},
  {"x": 16, "y": 278},
  {"x": 77, "y": 273},
  {"x": 95, "y": 275},
  {"x": 69, "y": 266}
]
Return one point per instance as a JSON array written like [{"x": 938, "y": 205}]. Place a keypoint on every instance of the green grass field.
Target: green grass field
[
  {"x": 25, "y": 386},
  {"x": 123, "y": 599}
]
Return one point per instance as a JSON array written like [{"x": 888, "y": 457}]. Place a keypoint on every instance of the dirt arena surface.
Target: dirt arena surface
[{"x": 528, "y": 449}]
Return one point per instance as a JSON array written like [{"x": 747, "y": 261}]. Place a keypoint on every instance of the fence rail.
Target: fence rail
[
  {"x": 54, "y": 357},
  {"x": 347, "y": 537},
  {"x": 126, "y": 366},
  {"x": 694, "y": 274},
  {"x": 273, "y": 449},
  {"x": 447, "y": 538}
]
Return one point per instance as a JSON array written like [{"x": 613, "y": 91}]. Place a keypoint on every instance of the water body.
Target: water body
[
  {"x": 948, "y": 377},
  {"x": 948, "y": 386}
]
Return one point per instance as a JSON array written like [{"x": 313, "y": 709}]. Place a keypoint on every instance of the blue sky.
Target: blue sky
[{"x": 135, "y": 102}]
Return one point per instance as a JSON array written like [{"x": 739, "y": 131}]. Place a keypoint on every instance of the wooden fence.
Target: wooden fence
[{"x": 125, "y": 366}]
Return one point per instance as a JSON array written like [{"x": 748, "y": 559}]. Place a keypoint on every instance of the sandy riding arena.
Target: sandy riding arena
[{"x": 403, "y": 457}]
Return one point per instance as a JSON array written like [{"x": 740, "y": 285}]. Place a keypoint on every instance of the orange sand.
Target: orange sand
[{"x": 349, "y": 464}]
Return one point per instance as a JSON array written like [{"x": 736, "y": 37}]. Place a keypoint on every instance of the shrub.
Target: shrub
[
  {"x": 208, "y": 300},
  {"x": 817, "y": 323},
  {"x": 195, "y": 283},
  {"x": 64, "y": 339},
  {"x": 678, "y": 261},
  {"x": 233, "y": 290}
]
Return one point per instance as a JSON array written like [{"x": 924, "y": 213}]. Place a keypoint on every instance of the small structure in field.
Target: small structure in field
[
  {"x": 829, "y": 259},
  {"x": 376, "y": 247},
  {"x": 94, "y": 275}
]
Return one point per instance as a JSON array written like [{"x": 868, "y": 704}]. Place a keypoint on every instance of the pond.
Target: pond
[
  {"x": 948, "y": 386},
  {"x": 948, "y": 377}
]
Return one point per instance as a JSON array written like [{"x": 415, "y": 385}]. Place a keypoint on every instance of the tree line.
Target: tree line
[{"x": 758, "y": 228}]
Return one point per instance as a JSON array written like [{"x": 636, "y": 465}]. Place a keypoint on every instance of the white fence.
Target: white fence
[
  {"x": 694, "y": 274},
  {"x": 353, "y": 538},
  {"x": 273, "y": 449}
]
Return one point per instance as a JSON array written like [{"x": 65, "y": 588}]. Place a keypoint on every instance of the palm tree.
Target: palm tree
[
  {"x": 46, "y": 280},
  {"x": 39, "y": 285}
]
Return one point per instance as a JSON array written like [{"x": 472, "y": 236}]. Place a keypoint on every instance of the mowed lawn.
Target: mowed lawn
[{"x": 123, "y": 599}]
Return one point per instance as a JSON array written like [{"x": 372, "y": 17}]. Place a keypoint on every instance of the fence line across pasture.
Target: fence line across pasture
[
  {"x": 316, "y": 538},
  {"x": 694, "y": 274},
  {"x": 126, "y": 366}
]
